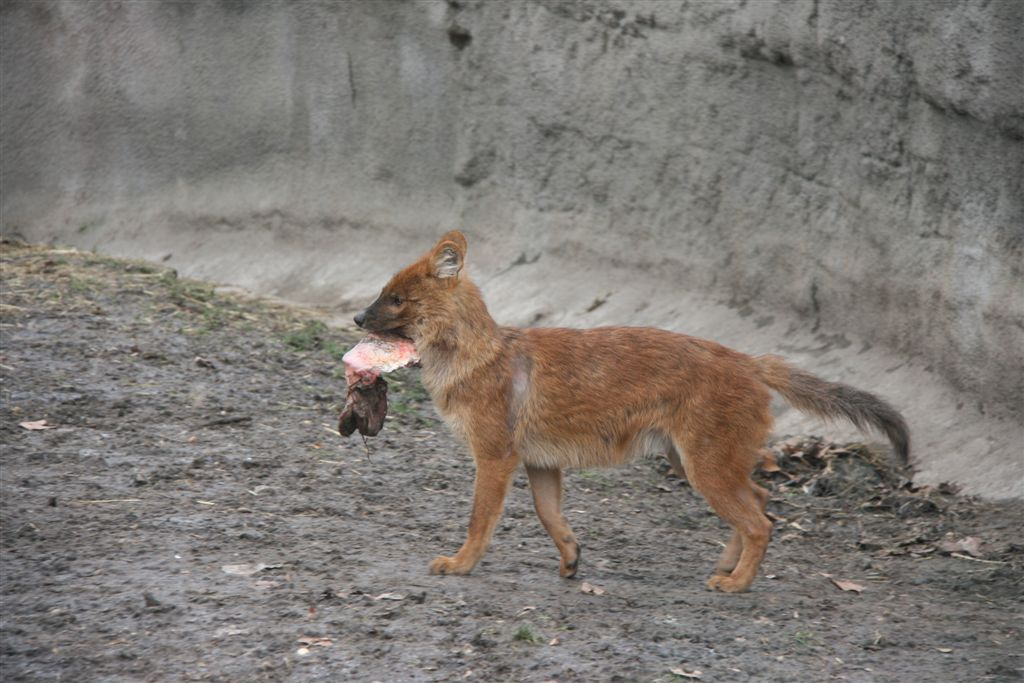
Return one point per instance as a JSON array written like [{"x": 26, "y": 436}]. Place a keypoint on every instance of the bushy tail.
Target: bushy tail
[{"x": 826, "y": 399}]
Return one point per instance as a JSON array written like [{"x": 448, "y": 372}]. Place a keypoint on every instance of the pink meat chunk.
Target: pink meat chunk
[
  {"x": 378, "y": 353},
  {"x": 366, "y": 405}
]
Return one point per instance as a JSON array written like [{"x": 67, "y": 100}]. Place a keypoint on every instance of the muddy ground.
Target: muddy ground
[{"x": 186, "y": 513}]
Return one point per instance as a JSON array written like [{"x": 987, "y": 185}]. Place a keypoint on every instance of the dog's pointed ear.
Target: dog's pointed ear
[{"x": 448, "y": 255}]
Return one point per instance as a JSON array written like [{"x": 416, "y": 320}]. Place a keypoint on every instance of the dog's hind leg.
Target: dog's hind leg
[
  {"x": 676, "y": 462},
  {"x": 730, "y": 556},
  {"x": 546, "y": 486},
  {"x": 720, "y": 472}
]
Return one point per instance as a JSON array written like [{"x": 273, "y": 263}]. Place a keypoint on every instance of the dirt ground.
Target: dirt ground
[{"x": 186, "y": 512}]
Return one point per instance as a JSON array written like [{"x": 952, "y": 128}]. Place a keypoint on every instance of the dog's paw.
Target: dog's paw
[
  {"x": 567, "y": 569},
  {"x": 726, "y": 584},
  {"x": 447, "y": 565}
]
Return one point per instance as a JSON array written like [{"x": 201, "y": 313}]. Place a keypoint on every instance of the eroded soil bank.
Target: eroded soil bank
[{"x": 186, "y": 513}]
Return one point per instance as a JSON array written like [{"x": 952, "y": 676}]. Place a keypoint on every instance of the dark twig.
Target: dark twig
[{"x": 226, "y": 421}]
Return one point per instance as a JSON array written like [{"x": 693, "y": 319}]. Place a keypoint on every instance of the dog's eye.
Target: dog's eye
[{"x": 396, "y": 300}]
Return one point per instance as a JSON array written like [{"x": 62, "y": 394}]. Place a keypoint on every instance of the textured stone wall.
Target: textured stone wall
[
  {"x": 858, "y": 162},
  {"x": 854, "y": 166}
]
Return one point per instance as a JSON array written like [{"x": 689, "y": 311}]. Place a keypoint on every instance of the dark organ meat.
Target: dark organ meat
[{"x": 366, "y": 405}]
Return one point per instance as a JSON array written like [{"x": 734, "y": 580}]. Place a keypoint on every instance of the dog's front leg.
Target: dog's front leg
[{"x": 493, "y": 476}]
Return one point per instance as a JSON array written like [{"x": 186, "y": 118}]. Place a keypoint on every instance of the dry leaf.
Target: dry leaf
[
  {"x": 226, "y": 631},
  {"x": 848, "y": 586},
  {"x": 315, "y": 641},
  {"x": 554, "y": 641},
  {"x": 845, "y": 585},
  {"x": 36, "y": 425},
  {"x": 591, "y": 589},
  {"x": 970, "y": 545},
  {"x": 679, "y": 671},
  {"x": 944, "y": 650},
  {"x": 390, "y": 596}
]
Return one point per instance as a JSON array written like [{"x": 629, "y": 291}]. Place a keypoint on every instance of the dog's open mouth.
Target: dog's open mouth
[{"x": 366, "y": 405}]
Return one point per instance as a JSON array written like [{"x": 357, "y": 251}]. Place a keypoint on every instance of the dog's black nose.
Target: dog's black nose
[{"x": 360, "y": 319}]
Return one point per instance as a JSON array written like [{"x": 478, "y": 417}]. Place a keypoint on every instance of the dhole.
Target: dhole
[{"x": 555, "y": 398}]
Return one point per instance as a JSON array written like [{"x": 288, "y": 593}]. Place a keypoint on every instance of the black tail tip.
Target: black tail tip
[{"x": 900, "y": 440}]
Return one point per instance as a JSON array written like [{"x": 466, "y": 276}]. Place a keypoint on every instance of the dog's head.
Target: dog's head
[{"x": 420, "y": 294}]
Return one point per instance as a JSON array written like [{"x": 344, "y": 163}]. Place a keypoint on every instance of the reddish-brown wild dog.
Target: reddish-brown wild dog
[{"x": 554, "y": 398}]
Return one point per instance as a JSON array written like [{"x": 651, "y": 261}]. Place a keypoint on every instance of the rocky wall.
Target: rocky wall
[{"x": 845, "y": 179}]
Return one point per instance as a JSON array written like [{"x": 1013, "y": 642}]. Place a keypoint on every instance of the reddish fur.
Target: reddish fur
[{"x": 554, "y": 398}]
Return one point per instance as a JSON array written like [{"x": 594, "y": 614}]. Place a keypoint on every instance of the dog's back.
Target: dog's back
[{"x": 598, "y": 397}]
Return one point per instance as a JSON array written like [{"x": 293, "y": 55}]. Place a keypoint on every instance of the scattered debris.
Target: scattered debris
[
  {"x": 390, "y": 596},
  {"x": 154, "y": 605},
  {"x": 315, "y": 641},
  {"x": 970, "y": 545},
  {"x": 822, "y": 468},
  {"x": 227, "y": 631},
  {"x": 248, "y": 569},
  {"x": 683, "y": 673},
  {"x": 101, "y": 501},
  {"x": 36, "y": 425},
  {"x": 844, "y": 585},
  {"x": 230, "y": 420}
]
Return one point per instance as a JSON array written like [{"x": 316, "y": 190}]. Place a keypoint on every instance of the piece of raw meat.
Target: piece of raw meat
[{"x": 366, "y": 405}]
